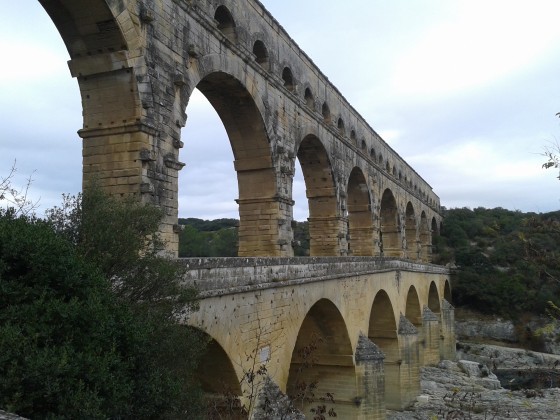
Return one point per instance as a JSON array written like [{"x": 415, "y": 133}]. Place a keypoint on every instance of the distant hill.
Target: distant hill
[
  {"x": 218, "y": 238},
  {"x": 507, "y": 262}
]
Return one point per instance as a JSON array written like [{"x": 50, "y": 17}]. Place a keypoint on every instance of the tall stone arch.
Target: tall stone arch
[
  {"x": 390, "y": 240},
  {"x": 360, "y": 220},
  {"x": 425, "y": 239},
  {"x": 413, "y": 310},
  {"x": 259, "y": 204},
  {"x": 322, "y": 362},
  {"x": 383, "y": 332},
  {"x": 410, "y": 233},
  {"x": 325, "y": 224}
]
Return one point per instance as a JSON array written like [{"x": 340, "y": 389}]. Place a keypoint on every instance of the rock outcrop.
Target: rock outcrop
[{"x": 469, "y": 388}]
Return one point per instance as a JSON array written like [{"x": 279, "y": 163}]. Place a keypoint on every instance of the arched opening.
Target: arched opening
[
  {"x": 76, "y": 18},
  {"x": 433, "y": 299},
  {"x": 326, "y": 112},
  {"x": 208, "y": 156},
  {"x": 322, "y": 362},
  {"x": 288, "y": 79},
  {"x": 324, "y": 225},
  {"x": 435, "y": 227},
  {"x": 308, "y": 98},
  {"x": 425, "y": 239},
  {"x": 364, "y": 146},
  {"x": 360, "y": 220},
  {"x": 380, "y": 158},
  {"x": 256, "y": 177},
  {"x": 388, "y": 166},
  {"x": 372, "y": 153},
  {"x": 225, "y": 23},
  {"x": 261, "y": 54},
  {"x": 413, "y": 311},
  {"x": 410, "y": 233},
  {"x": 390, "y": 243},
  {"x": 383, "y": 332},
  {"x": 353, "y": 136},
  {"x": 340, "y": 125},
  {"x": 219, "y": 382},
  {"x": 300, "y": 213},
  {"x": 447, "y": 291}
]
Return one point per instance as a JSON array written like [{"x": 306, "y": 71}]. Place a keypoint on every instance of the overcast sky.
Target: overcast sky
[{"x": 465, "y": 91}]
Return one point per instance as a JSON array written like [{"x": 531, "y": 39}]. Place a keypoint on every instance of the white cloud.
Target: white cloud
[{"x": 481, "y": 42}]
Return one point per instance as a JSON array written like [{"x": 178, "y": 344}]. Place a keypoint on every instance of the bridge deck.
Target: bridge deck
[{"x": 220, "y": 276}]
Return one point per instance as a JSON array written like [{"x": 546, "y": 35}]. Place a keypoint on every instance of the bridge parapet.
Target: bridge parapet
[{"x": 220, "y": 276}]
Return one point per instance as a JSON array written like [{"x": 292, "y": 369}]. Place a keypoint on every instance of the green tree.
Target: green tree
[
  {"x": 88, "y": 310},
  {"x": 69, "y": 347}
]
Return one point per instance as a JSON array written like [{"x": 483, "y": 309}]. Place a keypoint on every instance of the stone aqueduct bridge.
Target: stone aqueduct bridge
[
  {"x": 268, "y": 310},
  {"x": 371, "y": 216}
]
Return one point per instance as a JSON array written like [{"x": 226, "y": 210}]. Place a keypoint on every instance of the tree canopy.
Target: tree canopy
[{"x": 88, "y": 312}]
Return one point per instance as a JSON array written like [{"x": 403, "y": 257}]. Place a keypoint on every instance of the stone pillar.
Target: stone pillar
[
  {"x": 392, "y": 245},
  {"x": 409, "y": 367},
  {"x": 447, "y": 331},
  {"x": 261, "y": 232},
  {"x": 122, "y": 161},
  {"x": 370, "y": 377},
  {"x": 327, "y": 236},
  {"x": 361, "y": 230},
  {"x": 431, "y": 339}
]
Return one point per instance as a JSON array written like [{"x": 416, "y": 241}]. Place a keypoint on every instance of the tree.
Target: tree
[
  {"x": 88, "y": 312},
  {"x": 69, "y": 348},
  {"x": 16, "y": 199},
  {"x": 121, "y": 237},
  {"x": 552, "y": 153}
]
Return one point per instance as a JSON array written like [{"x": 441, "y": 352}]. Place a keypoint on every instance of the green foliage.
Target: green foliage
[
  {"x": 208, "y": 238},
  {"x": 507, "y": 261},
  {"x": 69, "y": 348},
  {"x": 219, "y": 238},
  {"x": 88, "y": 312},
  {"x": 120, "y": 237},
  {"x": 301, "y": 238}
]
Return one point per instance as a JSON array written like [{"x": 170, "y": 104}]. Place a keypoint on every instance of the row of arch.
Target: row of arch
[
  {"x": 323, "y": 336},
  {"x": 366, "y": 212},
  {"x": 376, "y": 226},
  {"x": 226, "y": 24},
  {"x": 354, "y": 214}
]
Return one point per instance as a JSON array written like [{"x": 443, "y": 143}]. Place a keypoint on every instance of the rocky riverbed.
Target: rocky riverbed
[{"x": 468, "y": 389}]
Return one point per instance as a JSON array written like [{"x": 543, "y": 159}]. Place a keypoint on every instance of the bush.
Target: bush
[{"x": 87, "y": 316}]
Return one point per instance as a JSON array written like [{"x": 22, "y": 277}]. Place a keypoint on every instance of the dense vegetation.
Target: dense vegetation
[
  {"x": 507, "y": 262},
  {"x": 87, "y": 314}
]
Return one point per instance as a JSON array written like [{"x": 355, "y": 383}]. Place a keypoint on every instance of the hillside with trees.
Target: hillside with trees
[{"x": 504, "y": 262}]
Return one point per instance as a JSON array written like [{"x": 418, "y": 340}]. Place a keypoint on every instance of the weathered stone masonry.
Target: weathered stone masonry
[
  {"x": 368, "y": 290},
  {"x": 137, "y": 63},
  {"x": 276, "y": 306}
]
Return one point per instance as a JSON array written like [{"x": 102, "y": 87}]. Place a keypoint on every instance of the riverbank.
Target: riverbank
[{"x": 469, "y": 389}]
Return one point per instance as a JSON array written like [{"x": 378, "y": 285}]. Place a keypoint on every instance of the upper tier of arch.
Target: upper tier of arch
[{"x": 137, "y": 64}]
